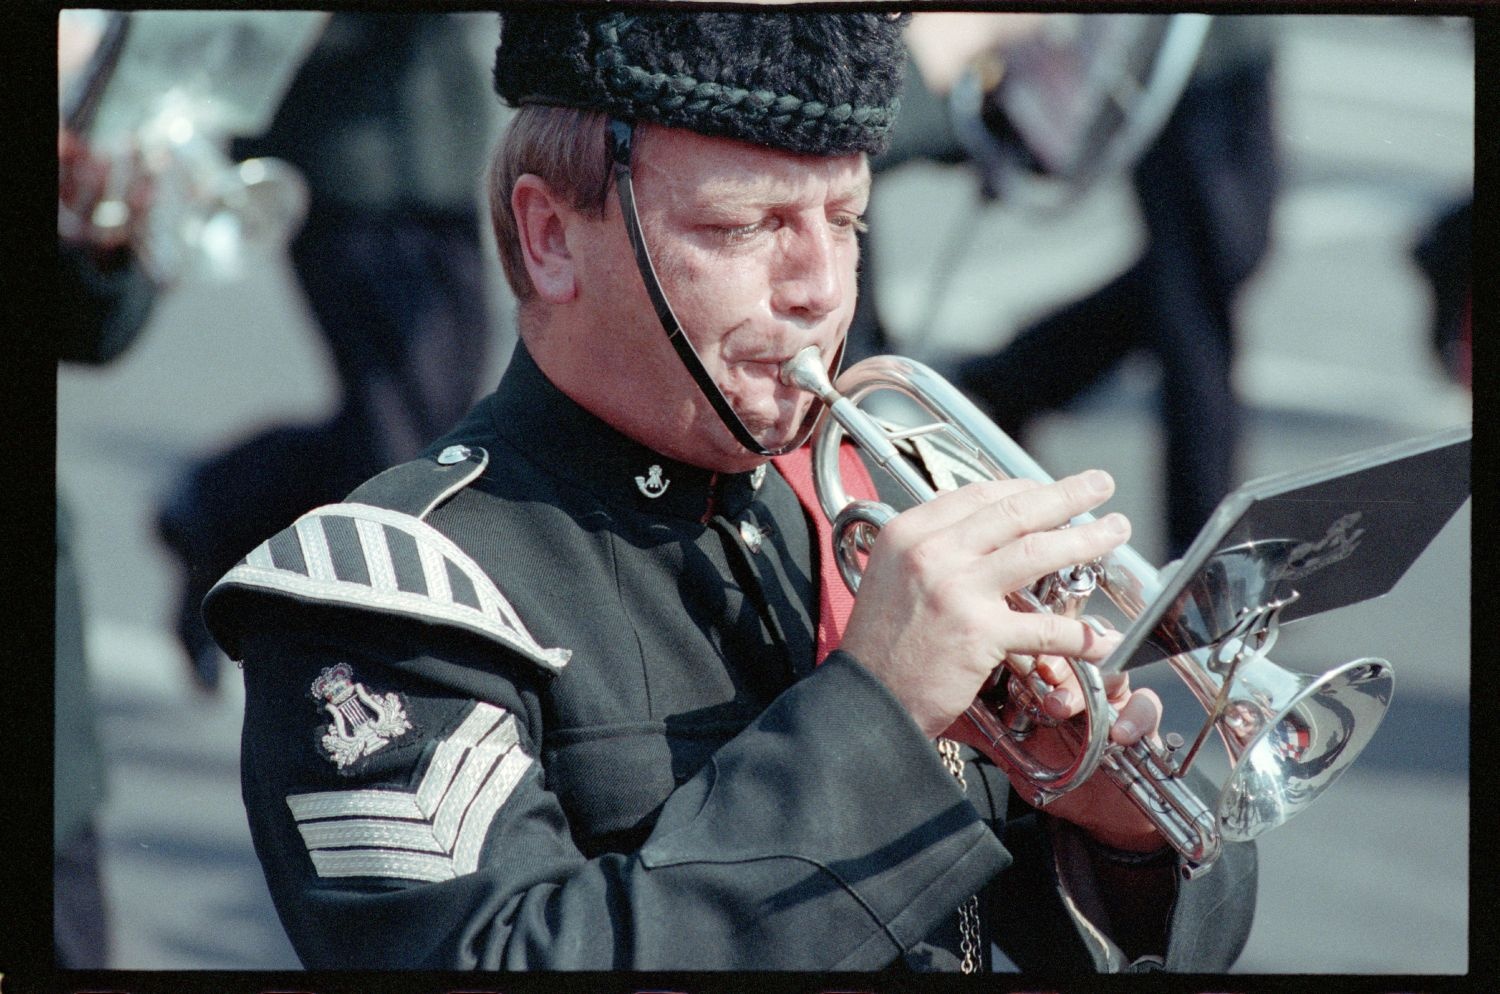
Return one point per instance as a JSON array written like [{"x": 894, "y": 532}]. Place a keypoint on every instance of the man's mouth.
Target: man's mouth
[{"x": 758, "y": 368}]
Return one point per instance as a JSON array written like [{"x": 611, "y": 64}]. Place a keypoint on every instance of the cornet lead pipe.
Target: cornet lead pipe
[{"x": 805, "y": 371}]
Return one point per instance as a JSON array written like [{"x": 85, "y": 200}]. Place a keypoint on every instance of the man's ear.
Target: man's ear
[{"x": 541, "y": 230}]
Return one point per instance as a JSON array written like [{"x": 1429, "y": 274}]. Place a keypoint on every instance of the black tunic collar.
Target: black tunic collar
[{"x": 569, "y": 442}]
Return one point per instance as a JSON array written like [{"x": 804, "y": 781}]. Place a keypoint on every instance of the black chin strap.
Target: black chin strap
[{"x": 621, "y": 142}]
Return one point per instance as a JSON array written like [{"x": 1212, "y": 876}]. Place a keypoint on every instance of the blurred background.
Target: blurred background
[{"x": 1341, "y": 337}]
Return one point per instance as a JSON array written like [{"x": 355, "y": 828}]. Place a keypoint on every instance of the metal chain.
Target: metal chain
[{"x": 968, "y": 912}]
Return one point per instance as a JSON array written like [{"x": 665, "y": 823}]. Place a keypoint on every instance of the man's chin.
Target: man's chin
[
  {"x": 776, "y": 434},
  {"x": 733, "y": 457}
]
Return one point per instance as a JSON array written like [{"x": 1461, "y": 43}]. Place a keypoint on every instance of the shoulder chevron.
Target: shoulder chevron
[{"x": 369, "y": 557}]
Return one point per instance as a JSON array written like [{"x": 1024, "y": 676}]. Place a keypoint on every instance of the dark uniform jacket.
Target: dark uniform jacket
[{"x": 546, "y": 700}]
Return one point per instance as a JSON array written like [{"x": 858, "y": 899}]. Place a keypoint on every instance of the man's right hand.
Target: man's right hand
[{"x": 931, "y": 619}]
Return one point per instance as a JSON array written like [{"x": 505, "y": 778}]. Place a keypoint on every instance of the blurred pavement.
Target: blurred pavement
[{"x": 1377, "y": 121}]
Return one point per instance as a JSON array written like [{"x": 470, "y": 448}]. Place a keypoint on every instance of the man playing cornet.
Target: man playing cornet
[{"x": 571, "y": 693}]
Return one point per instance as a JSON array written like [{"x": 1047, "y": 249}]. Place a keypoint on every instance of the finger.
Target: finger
[
  {"x": 88, "y": 179},
  {"x": 1063, "y": 703},
  {"x": 1139, "y": 717},
  {"x": 1067, "y": 698},
  {"x": 110, "y": 225},
  {"x": 1035, "y": 555},
  {"x": 1056, "y": 636},
  {"x": 1029, "y": 557},
  {"x": 1055, "y": 670},
  {"x": 140, "y": 188},
  {"x": 1064, "y": 699},
  {"x": 1005, "y": 516},
  {"x": 1098, "y": 621},
  {"x": 953, "y": 507},
  {"x": 1117, "y": 688}
]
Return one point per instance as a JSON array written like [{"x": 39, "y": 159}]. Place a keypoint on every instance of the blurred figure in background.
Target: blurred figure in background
[
  {"x": 388, "y": 123},
  {"x": 104, "y": 298},
  {"x": 1206, "y": 189},
  {"x": 1442, "y": 254}
]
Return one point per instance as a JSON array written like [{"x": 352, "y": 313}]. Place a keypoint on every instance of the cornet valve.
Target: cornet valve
[
  {"x": 1017, "y": 712},
  {"x": 1242, "y": 718}
]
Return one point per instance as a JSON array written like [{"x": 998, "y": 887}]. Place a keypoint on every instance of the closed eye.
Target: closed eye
[
  {"x": 735, "y": 234},
  {"x": 850, "y": 222}
]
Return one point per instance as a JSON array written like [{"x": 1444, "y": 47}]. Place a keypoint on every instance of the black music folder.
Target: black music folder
[{"x": 1301, "y": 543}]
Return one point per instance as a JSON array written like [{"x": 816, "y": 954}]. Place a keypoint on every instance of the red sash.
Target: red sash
[{"x": 834, "y": 599}]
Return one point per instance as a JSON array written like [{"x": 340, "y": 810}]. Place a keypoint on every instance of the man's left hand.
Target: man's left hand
[{"x": 1098, "y": 806}]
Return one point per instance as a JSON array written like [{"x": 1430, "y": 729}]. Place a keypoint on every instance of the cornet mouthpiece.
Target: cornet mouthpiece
[{"x": 805, "y": 371}]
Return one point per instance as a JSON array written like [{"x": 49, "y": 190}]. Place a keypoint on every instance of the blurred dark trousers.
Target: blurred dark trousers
[
  {"x": 1206, "y": 189},
  {"x": 80, "y": 933},
  {"x": 398, "y": 299}
]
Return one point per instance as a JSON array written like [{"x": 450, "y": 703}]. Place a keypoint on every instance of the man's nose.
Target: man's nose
[{"x": 810, "y": 282}]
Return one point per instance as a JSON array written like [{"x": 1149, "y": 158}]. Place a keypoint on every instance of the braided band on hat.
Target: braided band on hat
[{"x": 818, "y": 83}]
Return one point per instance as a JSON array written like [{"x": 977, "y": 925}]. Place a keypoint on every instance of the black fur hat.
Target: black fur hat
[{"x": 821, "y": 83}]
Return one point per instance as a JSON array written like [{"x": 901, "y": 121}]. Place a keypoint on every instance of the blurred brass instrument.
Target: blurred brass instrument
[
  {"x": 1050, "y": 115},
  {"x": 1288, "y": 735},
  {"x": 166, "y": 91},
  {"x": 1046, "y": 118}
]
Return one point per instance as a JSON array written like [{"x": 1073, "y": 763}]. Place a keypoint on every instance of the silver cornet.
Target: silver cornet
[{"x": 1213, "y": 618}]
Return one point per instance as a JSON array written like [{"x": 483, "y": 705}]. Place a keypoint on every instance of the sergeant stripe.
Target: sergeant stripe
[
  {"x": 365, "y": 831},
  {"x": 367, "y": 863},
  {"x": 334, "y": 803},
  {"x": 471, "y": 776},
  {"x": 400, "y": 804},
  {"x": 435, "y": 833},
  {"x": 476, "y": 825},
  {"x": 451, "y": 753}
]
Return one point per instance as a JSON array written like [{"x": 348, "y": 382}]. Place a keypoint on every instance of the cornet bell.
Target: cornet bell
[
  {"x": 1289, "y": 735},
  {"x": 1293, "y": 750}
]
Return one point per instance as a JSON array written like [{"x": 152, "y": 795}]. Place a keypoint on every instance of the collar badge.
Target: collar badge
[
  {"x": 757, "y": 476},
  {"x": 653, "y": 484},
  {"x": 363, "y": 722},
  {"x": 752, "y": 535}
]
